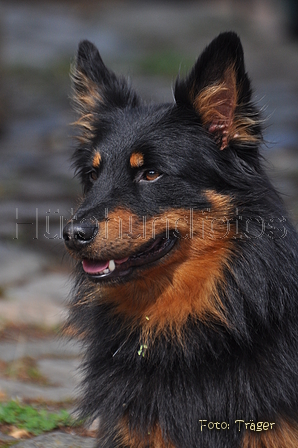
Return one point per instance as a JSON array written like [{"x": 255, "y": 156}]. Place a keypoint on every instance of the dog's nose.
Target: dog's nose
[{"x": 76, "y": 235}]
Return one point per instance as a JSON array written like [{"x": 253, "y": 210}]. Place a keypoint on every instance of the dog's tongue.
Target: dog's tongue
[{"x": 95, "y": 266}]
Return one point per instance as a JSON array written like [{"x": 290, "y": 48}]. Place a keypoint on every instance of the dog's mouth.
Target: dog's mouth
[{"x": 98, "y": 270}]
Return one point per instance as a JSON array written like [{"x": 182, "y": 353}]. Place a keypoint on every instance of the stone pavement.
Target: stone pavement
[
  {"x": 53, "y": 440},
  {"x": 149, "y": 40}
]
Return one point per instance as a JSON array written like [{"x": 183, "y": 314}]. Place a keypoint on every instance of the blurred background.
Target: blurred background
[{"x": 149, "y": 41}]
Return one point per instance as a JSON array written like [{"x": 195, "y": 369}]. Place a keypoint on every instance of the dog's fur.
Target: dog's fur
[{"x": 191, "y": 342}]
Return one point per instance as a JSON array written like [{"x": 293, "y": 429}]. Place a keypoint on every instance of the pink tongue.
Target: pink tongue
[{"x": 93, "y": 266}]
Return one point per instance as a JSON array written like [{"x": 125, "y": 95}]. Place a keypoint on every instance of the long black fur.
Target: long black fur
[{"x": 246, "y": 369}]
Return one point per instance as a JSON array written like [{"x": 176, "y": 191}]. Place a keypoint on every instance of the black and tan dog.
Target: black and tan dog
[{"x": 186, "y": 291}]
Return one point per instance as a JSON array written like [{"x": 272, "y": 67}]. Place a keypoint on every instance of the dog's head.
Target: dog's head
[{"x": 159, "y": 180}]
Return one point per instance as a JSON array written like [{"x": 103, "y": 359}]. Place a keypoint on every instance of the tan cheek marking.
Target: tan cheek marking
[
  {"x": 96, "y": 160},
  {"x": 136, "y": 160},
  {"x": 279, "y": 435},
  {"x": 121, "y": 234},
  {"x": 186, "y": 282}
]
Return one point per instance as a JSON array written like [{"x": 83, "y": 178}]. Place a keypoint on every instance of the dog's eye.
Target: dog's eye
[
  {"x": 150, "y": 175},
  {"x": 93, "y": 175}
]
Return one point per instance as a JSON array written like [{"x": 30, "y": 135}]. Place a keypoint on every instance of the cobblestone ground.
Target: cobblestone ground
[{"x": 150, "y": 41}]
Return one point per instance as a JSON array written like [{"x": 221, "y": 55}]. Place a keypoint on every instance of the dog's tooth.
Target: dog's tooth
[
  {"x": 112, "y": 265},
  {"x": 106, "y": 271}
]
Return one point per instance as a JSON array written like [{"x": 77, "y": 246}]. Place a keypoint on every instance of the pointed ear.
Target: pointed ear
[
  {"x": 89, "y": 75},
  {"x": 218, "y": 89},
  {"x": 96, "y": 89}
]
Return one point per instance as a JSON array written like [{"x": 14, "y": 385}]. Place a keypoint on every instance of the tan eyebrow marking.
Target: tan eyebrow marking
[
  {"x": 136, "y": 160},
  {"x": 96, "y": 160}
]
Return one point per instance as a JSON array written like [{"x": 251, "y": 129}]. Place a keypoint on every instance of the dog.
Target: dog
[{"x": 186, "y": 290}]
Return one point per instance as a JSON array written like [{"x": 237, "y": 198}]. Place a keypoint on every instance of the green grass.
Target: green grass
[
  {"x": 33, "y": 420},
  {"x": 8, "y": 444}
]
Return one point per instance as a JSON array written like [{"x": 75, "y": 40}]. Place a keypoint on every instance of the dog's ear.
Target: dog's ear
[
  {"x": 218, "y": 89},
  {"x": 96, "y": 89}
]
